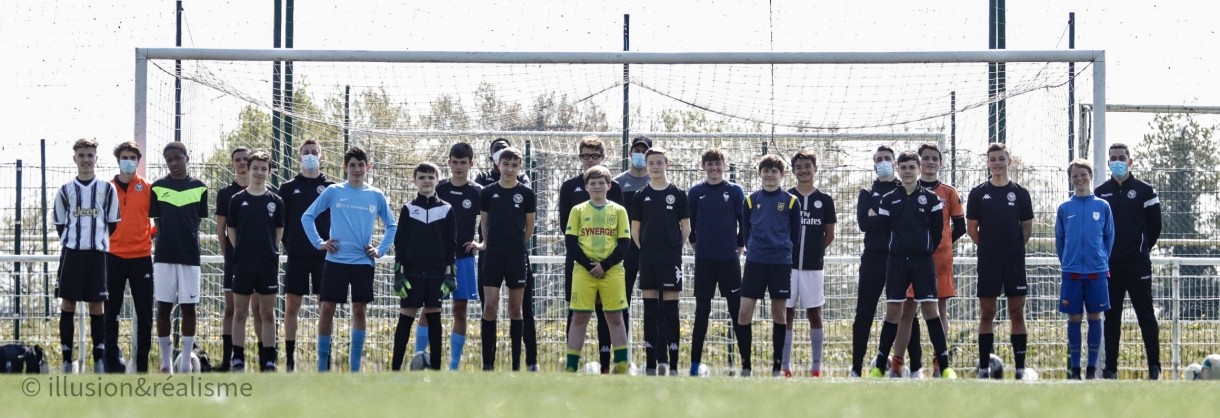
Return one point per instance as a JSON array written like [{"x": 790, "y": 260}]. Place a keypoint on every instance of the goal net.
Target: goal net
[{"x": 408, "y": 107}]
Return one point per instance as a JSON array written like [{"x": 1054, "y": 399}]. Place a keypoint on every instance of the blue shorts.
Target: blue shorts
[
  {"x": 1081, "y": 292},
  {"x": 467, "y": 279}
]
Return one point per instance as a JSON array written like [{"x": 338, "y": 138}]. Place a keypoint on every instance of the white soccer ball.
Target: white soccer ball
[
  {"x": 996, "y": 364},
  {"x": 1211, "y": 368},
  {"x": 1193, "y": 372},
  {"x": 195, "y": 367},
  {"x": 704, "y": 371},
  {"x": 1030, "y": 374}
]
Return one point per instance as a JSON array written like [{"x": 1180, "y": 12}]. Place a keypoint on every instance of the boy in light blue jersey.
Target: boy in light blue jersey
[
  {"x": 350, "y": 254},
  {"x": 1084, "y": 236}
]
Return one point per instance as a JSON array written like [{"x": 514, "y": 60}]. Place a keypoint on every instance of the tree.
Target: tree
[{"x": 1180, "y": 155}]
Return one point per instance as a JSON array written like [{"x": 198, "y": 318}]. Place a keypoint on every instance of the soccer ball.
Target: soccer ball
[
  {"x": 1211, "y": 368},
  {"x": 1030, "y": 374},
  {"x": 704, "y": 371},
  {"x": 421, "y": 361},
  {"x": 195, "y": 366},
  {"x": 1193, "y": 372},
  {"x": 997, "y": 367}
]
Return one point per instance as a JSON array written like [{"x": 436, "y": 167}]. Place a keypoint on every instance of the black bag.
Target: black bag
[{"x": 16, "y": 358}]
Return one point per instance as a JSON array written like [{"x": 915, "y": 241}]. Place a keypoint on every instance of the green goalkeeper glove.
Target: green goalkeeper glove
[
  {"x": 402, "y": 286},
  {"x": 449, "y": 283}
]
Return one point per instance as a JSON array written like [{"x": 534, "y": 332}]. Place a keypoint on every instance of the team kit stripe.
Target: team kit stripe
[{"x": 179, "y": 198}]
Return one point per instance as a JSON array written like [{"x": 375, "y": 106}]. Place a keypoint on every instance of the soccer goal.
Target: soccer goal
[{"x": 411, "y": 106}]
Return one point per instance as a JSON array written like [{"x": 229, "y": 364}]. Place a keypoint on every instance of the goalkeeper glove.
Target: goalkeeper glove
[
  {"x": 402, "y": 286},
  {"x": 449, "y": 283}
]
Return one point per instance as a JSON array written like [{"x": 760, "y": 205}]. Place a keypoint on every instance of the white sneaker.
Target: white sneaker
[{"x": 918, "y": 374}]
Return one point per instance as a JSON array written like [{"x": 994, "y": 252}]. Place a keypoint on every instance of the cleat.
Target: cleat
[
  {"x": 1074, "y": 373},
  {"x": 99, "y": 367},
  {"x": 815, "y": 373},
  {"x": 1154, "y": 373},
  {"x": 533, "y": 368},
  {"x": 896, "y": 365},
  {"x": 419, "y": 361},
  {"x": 948, "y": 374},
  {"x": 918, "y": 374},
  {"x": 1108, "y": 374},
  {"x": 620, "y": 368},
  {"x": 984, "y": 373},
  {"x": 70, "y": 367},
  {"x": 650, "y": 372},
  {"x": 237, "y": 365},
  {"x": 875, "y": 373},
  {"x": 694, "y": 369},
  {"x": 1090, "y": 373},
  {"x": 663, "y": 369},
  {"x": 854, "y": 375},
  {"x": 1019, "y": 374},
  {"x": 746, "y": 373},
  {"x": 164, "y": 370},
  {"x": 268, "y": 367}
]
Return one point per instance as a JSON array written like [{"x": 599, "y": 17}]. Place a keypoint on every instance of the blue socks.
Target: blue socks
[
  {"x": 457, "y": 343},
  {"x": 323, "y": 353},
  {"x": 1094, "y": 340},
  {"x": 421, "y": 339},
  {"x": 357, "y": 348},
  {"x": 1074, "y": 345}
]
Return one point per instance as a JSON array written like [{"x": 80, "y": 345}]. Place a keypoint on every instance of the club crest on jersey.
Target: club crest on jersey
[
  {"x": 779, "y": 206},
  {"x": 923, "y": 200},
  {"x": 320, "y": 189},
  {"x": 372, "y": 208},
  {"x": 270, "y": 208},
  {"x": 466, "y": 203},
  {"x": 1096, "y": 216},
  {"x": 517, "y": 198},
  {"x": 139, "y": 187},
  {"x": 1131, "y": 194},
  {"x": 817, "y": 204},
  {"x": 669, "y": 199},
  {"x": 726, "y": 196},
  {"x": 1012, "y": 197}
]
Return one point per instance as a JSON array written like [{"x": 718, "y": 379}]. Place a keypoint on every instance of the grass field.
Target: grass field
[{"x": 431, "y": 394}]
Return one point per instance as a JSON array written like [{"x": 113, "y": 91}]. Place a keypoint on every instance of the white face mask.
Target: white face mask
[
  {"x": 310, "y": 162},
  {"x": 127, "y": 166},
  {"x": 495, "y": 156},
  {"x": 884, "y": 169}
]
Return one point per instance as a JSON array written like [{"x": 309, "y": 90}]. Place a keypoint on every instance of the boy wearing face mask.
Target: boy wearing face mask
[
  {"x": 303, "y": 271},
  {"x": 876, "y": 252},
  {"x": 130, "y": 259},
  {"x": 1137, "y": 226}
]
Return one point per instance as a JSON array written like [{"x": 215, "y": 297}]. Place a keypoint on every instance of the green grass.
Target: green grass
[{"x": 430, "y": 394}]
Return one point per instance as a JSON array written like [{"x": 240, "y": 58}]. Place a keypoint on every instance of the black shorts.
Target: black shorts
[
  {"x": 710, "y": 274},
  {"x": 256, "y": 277},
  {"x": 762, "y": 278},
  {"x": 662, "y": 277},
  {"x": 1000, "y": 276},
  {"x": 338, "y": 277},
  {"x": 82, "y": 275},
  {"x": 917, "y": 271},
  {"x": 501, "y": 268},
  {"x": 227, "y": 273},
  {"x": 425, "y": 292},
  {"x": 301, "y": 275}
]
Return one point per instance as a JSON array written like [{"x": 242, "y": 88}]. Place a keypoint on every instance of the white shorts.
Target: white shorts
[
  {"x": 176, "y": 283},
  {"x": 808, "y": 289}
]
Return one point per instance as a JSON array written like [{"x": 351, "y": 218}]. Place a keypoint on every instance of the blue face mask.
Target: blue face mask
[
  {"x": 637, "y": 160},
  {"x": 884, "y": 169},
  {"x": 1118, "y": 169},
  {"x": 127, "y": 166},
  {"x": 310, "y": 162}
]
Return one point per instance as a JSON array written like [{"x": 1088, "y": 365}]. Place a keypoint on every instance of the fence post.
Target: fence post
[
  {"x": 17, "y": 266},
  {"x": 1176, "y": 268}
]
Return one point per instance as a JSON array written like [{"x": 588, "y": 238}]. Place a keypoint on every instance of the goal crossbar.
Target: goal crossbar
[{"x": 1095, "y": 57}]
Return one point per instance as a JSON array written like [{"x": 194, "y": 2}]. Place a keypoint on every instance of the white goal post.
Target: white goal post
[{"x": 1095, "y": 57}]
